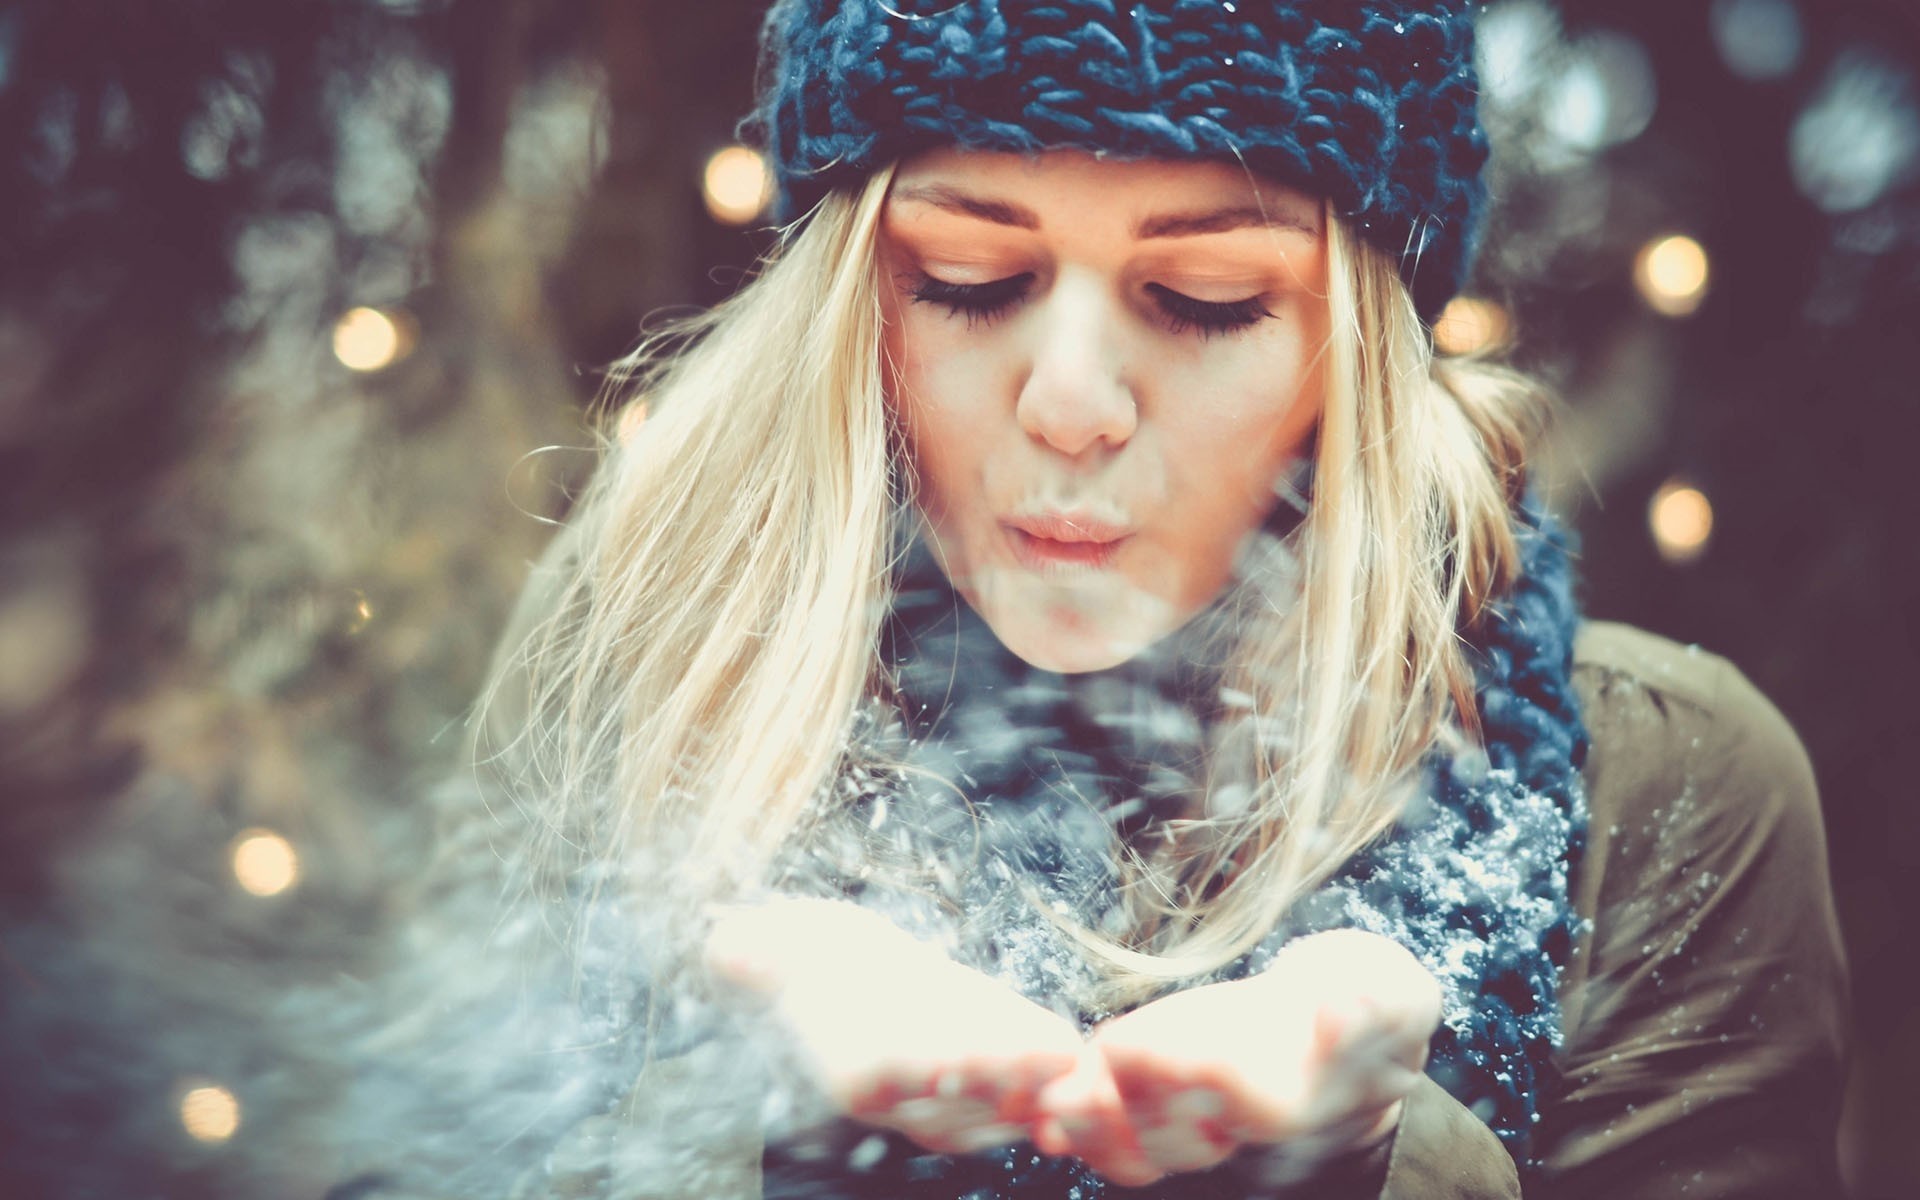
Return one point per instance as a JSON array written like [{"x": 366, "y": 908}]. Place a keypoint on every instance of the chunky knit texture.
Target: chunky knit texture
[
  {"x": 1473, "y": 880},
  {"x": 1371, "y": 105}
]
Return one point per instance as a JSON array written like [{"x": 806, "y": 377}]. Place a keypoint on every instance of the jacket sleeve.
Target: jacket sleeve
[
  {"x": 1438, "y": 1151},
  {"x": 1706, "y": 1008}
]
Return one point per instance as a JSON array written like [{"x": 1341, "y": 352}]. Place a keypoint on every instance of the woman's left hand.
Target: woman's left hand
[{"x": 1311, "y": 1059}]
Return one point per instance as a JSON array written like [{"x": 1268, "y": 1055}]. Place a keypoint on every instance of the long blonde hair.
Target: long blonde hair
[{"x": 680, "y": 714}]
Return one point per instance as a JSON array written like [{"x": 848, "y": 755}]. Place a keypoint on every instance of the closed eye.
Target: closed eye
[
  {"x": 976, "y": 301},
  {"x": 1184, "y": 312},
  {"x": 986, "y": 302}
]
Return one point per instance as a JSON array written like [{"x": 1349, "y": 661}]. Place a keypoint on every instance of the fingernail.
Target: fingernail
[
  {"x": 1074, "y": 1128},
  {"x": 922, "y": 1111},
  {"x": 1195, "y": 1104},
  {"x": 988, "y": 1136}
]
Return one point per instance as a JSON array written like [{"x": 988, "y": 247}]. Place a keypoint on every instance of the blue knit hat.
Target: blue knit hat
[{"x": 1371, "y": 105}]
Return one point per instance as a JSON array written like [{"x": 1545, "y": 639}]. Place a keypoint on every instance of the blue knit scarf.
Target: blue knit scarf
[{"x": 1473, "y": 880}]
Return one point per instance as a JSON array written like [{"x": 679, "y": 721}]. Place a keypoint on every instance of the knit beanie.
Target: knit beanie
[{"x": 1369, "y": 103}]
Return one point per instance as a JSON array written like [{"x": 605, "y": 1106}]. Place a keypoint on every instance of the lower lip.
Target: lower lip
[{"x": 1040, "y": 553}]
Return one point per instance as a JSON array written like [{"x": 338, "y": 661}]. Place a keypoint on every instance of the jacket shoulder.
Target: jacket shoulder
[
  {"x": 1705, "y": 1005},
  {"x": 1607, "y": 653},
  {"x": 1669, "y": 724}
]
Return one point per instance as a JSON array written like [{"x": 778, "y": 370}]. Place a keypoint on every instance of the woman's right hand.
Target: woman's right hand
[{"x": 896, "y": 1034}]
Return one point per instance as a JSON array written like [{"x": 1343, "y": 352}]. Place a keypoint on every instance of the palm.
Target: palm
[
  {"x": 894, "y": 1033},
  {"x": 1313, "y": 1056}
]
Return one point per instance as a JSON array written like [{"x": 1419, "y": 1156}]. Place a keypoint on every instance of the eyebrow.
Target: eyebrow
[{"x": 1164, "y": 225}]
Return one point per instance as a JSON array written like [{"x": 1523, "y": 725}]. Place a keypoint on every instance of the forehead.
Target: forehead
[{"x": 1072, "y": 186}]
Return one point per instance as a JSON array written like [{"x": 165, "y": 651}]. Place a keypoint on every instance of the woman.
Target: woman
[{"x": 1063, "y": 692}]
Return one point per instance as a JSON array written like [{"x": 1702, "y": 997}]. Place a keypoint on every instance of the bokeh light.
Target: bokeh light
[
  {"x": 1469, "y": 325},
  {"x": 6, "y": 52},
  {"x": 367, "y": 339},
  {"x": 1605, "y": 94},
  {"x": 209, "y": 1113},
  {"x": 359, "y": 612},
  {"x": 1858, "y": 137},
  {"x": 737, "y": 185},
  {"x": 1758, "y": 39},
  {"x": 1680, "y": 518},
  {"x": 1556, "y": 98},
  {"x": 44, "y": 635},
  {"x": 1672, "y": 274},
  {"x": 1512, "y": 44},
  {"x": 264, "y": 862}
]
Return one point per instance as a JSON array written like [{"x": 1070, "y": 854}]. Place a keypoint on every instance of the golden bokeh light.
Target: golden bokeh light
[
  {"x": 264, "y": 862},
  {"x": 1469, "y": 326},
  {"x": 368, "y": 339},
  {"x": 359, "y": 613},
  {"x": 1681, "y": 519},
  {"x": 1672, "y": 274},
  {"x": 209, "y": 1113},
  {"x": 737, "y": 185}
]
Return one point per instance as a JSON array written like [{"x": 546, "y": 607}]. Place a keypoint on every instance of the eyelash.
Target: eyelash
[{"x": 987, "y": 302}]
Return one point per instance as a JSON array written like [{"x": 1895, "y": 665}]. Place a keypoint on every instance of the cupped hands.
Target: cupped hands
[{"x": 1313, "y": 1055}]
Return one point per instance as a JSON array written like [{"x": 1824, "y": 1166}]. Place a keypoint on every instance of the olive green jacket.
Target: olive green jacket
[{"x": 1705, "y": 1007}]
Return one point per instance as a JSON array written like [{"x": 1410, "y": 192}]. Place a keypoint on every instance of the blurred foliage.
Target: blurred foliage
[{"x": 242, "y": 585}]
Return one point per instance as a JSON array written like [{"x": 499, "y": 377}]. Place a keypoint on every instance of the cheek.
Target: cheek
[
  {"x": 928, "y": 393},
  {"x": 1231, "y": 451},
  {"x": 1224, "y": 457}
]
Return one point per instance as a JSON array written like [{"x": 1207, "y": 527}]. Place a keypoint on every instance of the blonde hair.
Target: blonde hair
[
  {"x": 1407, "y": 537},
  {"x": 681, "y": 713}
]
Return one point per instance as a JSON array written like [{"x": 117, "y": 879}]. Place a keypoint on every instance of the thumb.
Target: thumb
[{"x": 1075, "y": 1105}]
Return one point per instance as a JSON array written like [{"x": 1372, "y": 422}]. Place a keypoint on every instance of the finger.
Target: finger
[
  {"x": 1079, "y": 1088},
  {"x": 1196, "y": 1105},
  {"x": 1016, "y": 1086},
  {"x": 1182, "y": 1146},
  {"x": 961, "y": 1107},
  {"x": 1145, "y": 1079},
  {"x": 876, "y": 1095},
  {"x": 1363, "y": 1128},
  {"x": 939, "y": 1116},
  {"x": 988, "y": 1137},
  {"x": 1120, "y": 1159},
  {"x": 945, "y": 1124},
  {"x": 1050, "y": 1137},
  {"x": 1362, "y": 1089},
  {"x": 1144, "y": 1089},
  {"x": 1083, "y": 1116},
  {"x": 1299, "y": 1157},
  {"x": 1330, "y": 1027}
]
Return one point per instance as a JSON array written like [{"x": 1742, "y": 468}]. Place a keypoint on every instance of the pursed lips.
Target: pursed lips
[{"x": 1064, "y": 539}]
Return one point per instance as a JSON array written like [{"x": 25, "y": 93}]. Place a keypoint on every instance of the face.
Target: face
[{"x": 1101, "y": 368}]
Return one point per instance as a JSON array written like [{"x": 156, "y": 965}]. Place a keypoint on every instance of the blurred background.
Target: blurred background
[{"x": 302, "y": 306}]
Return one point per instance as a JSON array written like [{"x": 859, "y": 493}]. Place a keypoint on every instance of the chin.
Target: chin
[
  {"x": 1068, "y": 654},
  {"x": 1073, "y": 643},
  {"x": 1070, "y": 625}
]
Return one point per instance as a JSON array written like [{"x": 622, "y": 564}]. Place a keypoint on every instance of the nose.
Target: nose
[{"x": 1076, "y": 396}]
